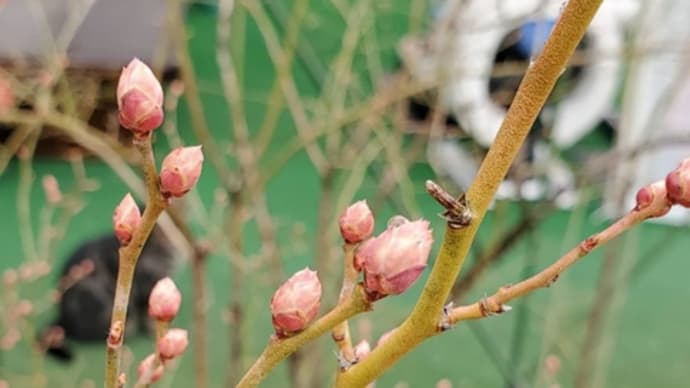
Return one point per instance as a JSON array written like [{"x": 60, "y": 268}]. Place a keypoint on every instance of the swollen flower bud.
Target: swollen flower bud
[
  {"x": 172, "y": 344},
  {"x": 181, "y": 170},
  {"x": 165, "y": 300},
  {"x": 678, "y": 184},
  {"x": 146, "y": 369},
  {"x": 653, "y": 197},
  {"x": 362, "y": 349},
  {"x": 356, "y": 223},
  {"x": 126, "y": 219},
  {"x": 393, "y": 260},
  {"x": 296, "y": 302},
  {"x": 139, "y": 98}
]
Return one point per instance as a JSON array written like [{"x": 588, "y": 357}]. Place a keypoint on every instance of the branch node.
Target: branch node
[
  {"x": 552, "y": 280},
  {"x": 115, "y": 334},
  {"x": 589, "y": 244},
  {"x": 343, "y": 363},
  {"x": 445, "y": 323},
  {"x": 458, "y": 213},
  {"x": 121, "y": 380},
  {"x": 337, "y": 337}
]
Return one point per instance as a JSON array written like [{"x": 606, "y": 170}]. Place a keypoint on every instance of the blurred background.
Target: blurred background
[{"x": 306, "y": 106}]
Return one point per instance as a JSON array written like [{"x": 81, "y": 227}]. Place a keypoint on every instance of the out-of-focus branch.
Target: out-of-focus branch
[
  {"x": 290, "y": 92},
  {"x": 193, "y": 97},
  {"x": 506, "y": 241}
]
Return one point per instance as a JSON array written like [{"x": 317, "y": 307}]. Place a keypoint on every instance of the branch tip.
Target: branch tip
[{"x": 458, "y": 213}]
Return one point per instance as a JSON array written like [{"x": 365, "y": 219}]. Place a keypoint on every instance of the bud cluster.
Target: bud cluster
[{"x": 164, "y": 304}]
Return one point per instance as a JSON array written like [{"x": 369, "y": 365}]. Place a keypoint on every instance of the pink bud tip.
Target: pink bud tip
[
  {"x": 362, "y": 349},
  {"x": 165, "y": 300},
  {"x": 444, "y": 383},
  {"x": 126, "y": 219},
  {"x": 146, "y": 367},
  {"x": 394, "y": 259},
  {"x": 296, "y": 302},
  {"x": 6, "y": 95},
  {"x": 356, "y": 223},
  {"x": 385, "y": 337},
  {"x": 678, "y": 184},
  {"x": 139, "y": 98},
  {"x": 181, "y": 170},
  {"x": 653, "y": 198},
  {"x": 172, "y": 344},
  {"x": 51, "y": 189}
]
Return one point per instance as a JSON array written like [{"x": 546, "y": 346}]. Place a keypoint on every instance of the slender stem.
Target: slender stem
[
  {"x": 200, "y": 324},
  {"x": 145, "y": 379},
  {"x": 84, "y": 135},
  {"x": 192, "y": 95},
  {"x": 278, "y": 349},
  {"x": 496, "y": 302},
  {"x": 341, "y": 333},
  {"x": 529, "y": 99},
  {"x": 129, "y": 255},
  {"x": 235, "y": 228}
]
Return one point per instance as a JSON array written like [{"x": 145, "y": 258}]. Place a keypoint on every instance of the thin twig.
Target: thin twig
[
  {"x": 341, "y": 333},
  {"x": 495, "y": 303}
]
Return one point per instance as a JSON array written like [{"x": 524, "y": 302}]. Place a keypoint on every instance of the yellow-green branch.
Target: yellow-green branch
[{"x": 530, "y": 98}]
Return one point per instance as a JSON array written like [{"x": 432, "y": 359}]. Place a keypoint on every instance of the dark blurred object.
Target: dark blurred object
[{"x": 87, "y": 287}]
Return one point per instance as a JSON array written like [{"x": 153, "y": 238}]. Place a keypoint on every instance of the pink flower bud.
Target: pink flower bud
[
  {"x": 362, "y": 349},
  {"x": 678, "y": 184},
  {"x": 165, "y": 300},
  {"x": 653, "y": 198},
  {"x": 51, "y": 189},
  {"x": 181, "y": 170},
  {"x": 139, "y": 98},
  {"x": 394, "y": 259},
  {"x": 6, "y": 95},
  {"x": 296, "y": 302},
  {"x": 444, "y": 383},
  {"x": 126, "y": 219},
  {"x": 356, "y": 223},
  {"x": 146, "y": 367},
  {"x": 172, "y": 344}
]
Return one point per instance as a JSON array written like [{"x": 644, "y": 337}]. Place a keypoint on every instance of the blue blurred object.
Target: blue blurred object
[{"x": 533, "y": 36}]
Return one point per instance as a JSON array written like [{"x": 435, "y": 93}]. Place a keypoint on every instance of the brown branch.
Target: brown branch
[{"x": 495, "y": 303}]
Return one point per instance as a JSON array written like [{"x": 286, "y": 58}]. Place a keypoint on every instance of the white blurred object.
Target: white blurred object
[
  {"x": 461, "y": 50},
  {"x": 103, "y": 34},
  {"x": 655, "y": 105},
  {"x": 479, "y": 27}
]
